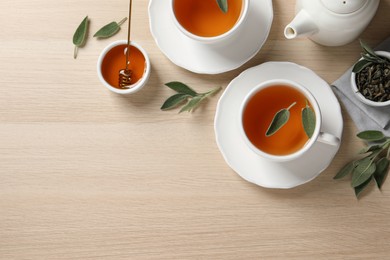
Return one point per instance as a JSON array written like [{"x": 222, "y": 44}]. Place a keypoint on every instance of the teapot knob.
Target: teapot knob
[{"x": 344, "y": 6}]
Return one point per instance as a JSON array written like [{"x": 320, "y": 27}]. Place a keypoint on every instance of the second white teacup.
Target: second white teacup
[{"x": 290, "y": 141}]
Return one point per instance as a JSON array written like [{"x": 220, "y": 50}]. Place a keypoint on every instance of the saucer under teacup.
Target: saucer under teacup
[
  {"x": 210, "y": 58},
  {"x": 247, "y": 163}
]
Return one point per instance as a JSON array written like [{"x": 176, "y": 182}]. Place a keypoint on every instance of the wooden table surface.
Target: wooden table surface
[{"x": 88, "y": 174}]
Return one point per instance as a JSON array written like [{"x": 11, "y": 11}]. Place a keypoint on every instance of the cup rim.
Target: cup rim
[
  {"x": 217, "y": 38},
  {"x": 359, "y": 95},
  {"x": 138, "y": 85},
  {"x": 313, "y": 102}
]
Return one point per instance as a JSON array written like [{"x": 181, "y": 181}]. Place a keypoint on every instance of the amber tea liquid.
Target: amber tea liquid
[
  {"x": 115, "y": 60},
  {"x": 261, "y": 109},
  {"x": 204, "y": 18}
]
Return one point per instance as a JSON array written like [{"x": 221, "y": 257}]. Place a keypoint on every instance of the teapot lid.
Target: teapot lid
[{"x": 344, "y": 6}]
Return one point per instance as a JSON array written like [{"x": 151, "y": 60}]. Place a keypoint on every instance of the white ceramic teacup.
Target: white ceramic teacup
[
  {"x": 214, "y": 39},
  {"x": 136, "y": 86},
  {"x": 317, "y": 136}
]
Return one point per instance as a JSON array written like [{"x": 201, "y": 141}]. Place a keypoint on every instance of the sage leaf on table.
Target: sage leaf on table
[
  {"x": 347, "y": 169},
  {"x": 381, "y": 172},
  {"x": 109, "y": 29},
  {"x": 279, "y": 120},
  {"x": 185, "y": 94},
  {"x": 80, "y": 36},
  {"x": 363, "y": 171},
  {"x": 374, "y": 166},
  {"x": 371, "y": 136},
  {"x": 174, "y": 101},
  {"x": 308, "y": 120},
  {"x": 358, "y": 190},
  {"x": 181, "y": 88},
  {"x": 223, "y": 5}
]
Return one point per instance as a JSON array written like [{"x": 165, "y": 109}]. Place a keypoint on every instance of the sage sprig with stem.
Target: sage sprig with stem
[
  {"x": 110, "y": 29},
  {"x": 283, "y": 115},
  {"x": 79, "y": 36},
  {"x": 185, "y": 94},
  {"x": 373, "y": 166},
  {"x": 369, "y": 58}
]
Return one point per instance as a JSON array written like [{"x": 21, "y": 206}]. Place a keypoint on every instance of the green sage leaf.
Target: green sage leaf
[
  {"x": 308, "y": 121},
  {"x": 369, "y": 149},
  {"x": 382, "y": 169},
  {"x": 181, "y": 88},
  {"x": 279, "y": 120},
  {"x": 367, "y": 49},
  {"x": 361, "y": 187},
  {"x": 360, "y": 65},
  {"x": 371, "y": 135},
  {"x": 223, "y": 5},
  {"x": 212, "y": 92},
  {"x": 79, "y": 35},
  {"x": 192, "y": 104},
  {"x": 347, "y": 169},
  {"x": 109, "y": 29},
  {"x": 368, "y": 57},
  {"x": 364, "y": 170},
  {"x": 174, "y": 101}
]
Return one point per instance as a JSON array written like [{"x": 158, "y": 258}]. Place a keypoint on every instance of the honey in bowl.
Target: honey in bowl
[
  {"x": 115, "y": 60},
  {"x": 261, "y": 109},
  {"x": 204, "y": 18}
]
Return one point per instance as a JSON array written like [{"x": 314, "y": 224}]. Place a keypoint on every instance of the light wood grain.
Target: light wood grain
[{"x": 87, "y": 174}]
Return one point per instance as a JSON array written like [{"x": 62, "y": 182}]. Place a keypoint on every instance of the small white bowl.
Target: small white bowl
[
  {"x": 137, "y": 86},
  {"x": 359, "y": 95}
]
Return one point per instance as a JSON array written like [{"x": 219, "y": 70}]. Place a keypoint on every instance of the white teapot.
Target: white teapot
[{"x": 331, "y": 22}]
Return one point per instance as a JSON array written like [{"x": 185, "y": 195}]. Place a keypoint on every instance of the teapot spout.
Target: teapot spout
[{"x": 302, "y": 25}]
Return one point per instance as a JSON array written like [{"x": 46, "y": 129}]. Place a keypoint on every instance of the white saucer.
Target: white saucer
[
  {"x": 261, "y": 171},
  {"x": 205, "y": 58}
]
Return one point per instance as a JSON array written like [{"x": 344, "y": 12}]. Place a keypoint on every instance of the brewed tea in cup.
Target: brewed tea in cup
[
  {"x": 290, "y": 141},
  {"x": 204, "y": 21}
]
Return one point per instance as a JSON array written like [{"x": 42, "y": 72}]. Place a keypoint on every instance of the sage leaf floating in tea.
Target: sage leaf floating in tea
[
  {"x": 109, "y": 29},
  {"x": 185, "y": 93},
  {"x": 279, "y": 120},
  {"x": 80, "y": 35},
  {"x": 308, "y": 120},
  {"x": 223, "y": 5},
  {"x": 374, "y": 166}
]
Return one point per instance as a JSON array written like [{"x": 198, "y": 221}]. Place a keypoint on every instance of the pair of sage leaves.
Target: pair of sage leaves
[
  {"x": 373, "y": 166},
  {"x": 80, "y": 35},
  {"x": 283, "y": 115}
]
